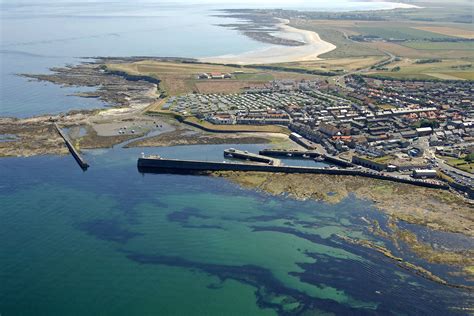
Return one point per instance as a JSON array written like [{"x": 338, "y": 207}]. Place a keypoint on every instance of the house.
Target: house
[
  {"x": 222, "y": 119},
  {"x": 216, "y": 75},
  {"x": 328, "y": 129},
  {"x": 424, "y": 131}
]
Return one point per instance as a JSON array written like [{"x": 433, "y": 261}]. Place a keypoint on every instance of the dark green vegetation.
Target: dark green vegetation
[
  {"x": 428, "y": 61},
  {"x": 427, "y": 123}
]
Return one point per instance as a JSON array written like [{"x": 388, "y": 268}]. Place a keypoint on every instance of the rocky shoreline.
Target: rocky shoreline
[
  {"x": 438, "y": 210},
  {"x": 111, "y": 88},
  {"x": 402, "y": 203}
]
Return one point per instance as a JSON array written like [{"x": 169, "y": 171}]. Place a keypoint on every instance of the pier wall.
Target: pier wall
[
  {"x": 81, "y": 162},
  {"x": 337, "y": 161},
  {"x": 464, "y": 188},
  {"x": 153, "y": 165},
  {"x": 234, "y": 130}
]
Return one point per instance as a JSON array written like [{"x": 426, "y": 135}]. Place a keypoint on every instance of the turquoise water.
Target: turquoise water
[{"x": 114, "y": 241}]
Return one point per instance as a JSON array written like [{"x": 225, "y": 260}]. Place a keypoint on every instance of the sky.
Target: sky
[{"x": 253, "y": 2}]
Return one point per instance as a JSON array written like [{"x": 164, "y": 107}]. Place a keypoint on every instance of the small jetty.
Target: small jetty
[
  {"x": 288, "y": 153},
  {"x": 337, "y": 161},
  {"x": 245, "y": 155},
  {"x": 306, "y": 154},
  {"x": 74, "y": 152}
]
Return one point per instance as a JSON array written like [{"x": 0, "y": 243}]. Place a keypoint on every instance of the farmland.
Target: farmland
[
  {"x": 450, "y": 31},
  {"x": 396, "y": 31},
  {"x": 447, "y": 69},
  {"x": 336, "y": 64},
  {"x": 176, "y": 77},
  {"x": 426, "y": 45},
  {"x": 181, "y": 77},
  {"x": 409, "y": 52},
  {"x": 410, "y": 39}
]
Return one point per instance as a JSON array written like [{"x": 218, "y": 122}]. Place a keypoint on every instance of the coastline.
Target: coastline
[
  {"x": 314, "y": 46},
  {"x": 416, "y": 205}
]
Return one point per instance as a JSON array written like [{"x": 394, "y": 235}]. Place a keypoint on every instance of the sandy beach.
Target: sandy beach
[{"x": 314, "y": 47}]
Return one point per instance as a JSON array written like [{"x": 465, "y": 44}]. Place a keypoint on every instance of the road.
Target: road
[
  {"x": 463, "y": 176},
  {"x": 339, "y": 79}
]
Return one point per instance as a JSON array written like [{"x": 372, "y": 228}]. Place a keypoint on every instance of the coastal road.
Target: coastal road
[{"x": 429, "y": 153}]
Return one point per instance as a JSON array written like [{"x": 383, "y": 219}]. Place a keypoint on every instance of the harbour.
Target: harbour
[
  {"x": 289, "y": 153},
  {"x": 198, "y": 217},
  {"x": 157, "y": 164},
  {"x": 248, "y": 156}
]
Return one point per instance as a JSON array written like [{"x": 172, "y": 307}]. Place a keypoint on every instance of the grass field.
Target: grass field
[
  {"x": 224, "y": 86},
  {"x": 410, "y": 52},
  {"x": 383, "y": 159},
  {"x": 254, "y": 76},
  {"x": 464, "y": 75},
  {"x": 236, "y": 128},
  {"x": 426, "y": 45},
  {"x": 450, "y": 31},
  {"x": 402, "y": 76},
  {"x": 176, "y": 78},
  {"x": 336, "y": 64},
  {"x": 179, "y": 78},
  {"x": 447, "y": 69},
  {"x": 390, "y": 31},
  {"x": 460, "y": 163}
]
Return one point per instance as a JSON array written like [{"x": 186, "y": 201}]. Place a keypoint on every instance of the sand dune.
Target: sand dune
[{"x": 314, "y": 47}]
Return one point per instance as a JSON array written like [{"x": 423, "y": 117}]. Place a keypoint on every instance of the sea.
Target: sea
[{"x": 114, "y": 241}]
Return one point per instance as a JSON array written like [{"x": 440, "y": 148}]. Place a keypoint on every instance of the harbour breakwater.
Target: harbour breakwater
[
  {"x": 74, "y": 152},
  {"x": 161, "y": 165}
]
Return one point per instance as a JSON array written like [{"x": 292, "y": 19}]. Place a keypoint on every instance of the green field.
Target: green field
[
  {"x": 461, "y": 164},
  {"x": 398, "y": 32},
  {"x": 404, "y": 76},
  {"x": 445, "y": 69},
  {"x": 254, "y": 76},
  {"x": 464, "y": 75},
  {"x": 427, "y": 45}
]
